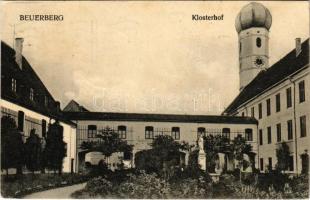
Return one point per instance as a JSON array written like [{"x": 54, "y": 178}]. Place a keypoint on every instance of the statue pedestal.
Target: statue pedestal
[{"x": 202, "y": 160}]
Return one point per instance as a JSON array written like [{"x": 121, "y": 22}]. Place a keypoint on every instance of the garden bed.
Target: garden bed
[
  {"x": 13, "y": 186},
  {"x": 142, "y": 185}
]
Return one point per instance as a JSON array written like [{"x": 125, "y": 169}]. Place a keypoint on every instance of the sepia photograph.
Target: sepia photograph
[{"x": 155, "y": 99}]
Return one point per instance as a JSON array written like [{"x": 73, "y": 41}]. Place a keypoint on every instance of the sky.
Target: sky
[{"x": 144, "y": 57}]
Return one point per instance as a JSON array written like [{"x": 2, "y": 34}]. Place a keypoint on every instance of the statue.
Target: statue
[
  {"x": 201, "y": 154},
  {"x": 200, "y": 143}
]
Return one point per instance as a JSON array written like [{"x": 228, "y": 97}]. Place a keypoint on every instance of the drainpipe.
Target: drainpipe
[
  {"x": 257, "y": 142},
  {"x": 295, "y": 129}
]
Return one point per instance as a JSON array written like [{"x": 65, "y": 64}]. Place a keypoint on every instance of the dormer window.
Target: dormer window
[
  {"x": 31, "y": 96},
  {"x": 13, "y": 85}
]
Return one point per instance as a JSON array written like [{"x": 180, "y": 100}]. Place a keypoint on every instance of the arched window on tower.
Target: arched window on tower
[
  {"x": 240, "y": 47},
  {"x": 258, "y": 42}
]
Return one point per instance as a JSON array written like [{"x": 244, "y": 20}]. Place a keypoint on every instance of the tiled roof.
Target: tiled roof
[
  {"x": 109, "y": 116},
  {"x": 278, "y": 72}
]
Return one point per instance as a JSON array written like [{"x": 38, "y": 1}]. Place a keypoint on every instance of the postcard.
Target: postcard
[{"x": 155, "y": 99}]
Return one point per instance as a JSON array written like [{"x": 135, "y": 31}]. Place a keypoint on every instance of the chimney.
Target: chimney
[
  {"x": 18, "y": 51},
  {"x": 298, "y": 46}
]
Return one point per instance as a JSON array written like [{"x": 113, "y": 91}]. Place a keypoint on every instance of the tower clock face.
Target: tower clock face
[{"x": 259, "y": 61}]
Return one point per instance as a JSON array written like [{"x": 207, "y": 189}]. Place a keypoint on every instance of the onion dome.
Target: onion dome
[{"x": 253, "y": 15}]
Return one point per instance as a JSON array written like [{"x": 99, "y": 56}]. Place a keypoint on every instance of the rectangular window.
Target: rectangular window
[
  {"x": 201, "y": 131},
  {"x": 260, "y": 137},
  {"x": 92, "y": 131},
  {"x": 43, "y": 128},
  {"x": 288, "y": 97},
  {"x": 260, "y": 111},
  {"x": 21, "y": 118},
  {"x": 226, "y": 132},
  {"x": 301, "y": 86},
  {"x": 268, "y": 107},
  {"x": 269, "y": 163},
  {"x": 122, "y": 132},
  {"x": 31, "y": 94},
  {"x": 175, "y": 133},
  {"x": 278, "y": 103},
  {"x": 289, "y": 130},
  {"x": 279, "y": 132},
  {"x": 269, "y": 134},
  {"x": 149, "y": 132},
  {"x": 261, "y": 162},
  {"x": 13, "y": 85},
  {"x": 291, "y": 163},
  {"x": 303, "y": 127},
  {"x": 252, "y": 112},
  {"x": 248, "y": 134}
]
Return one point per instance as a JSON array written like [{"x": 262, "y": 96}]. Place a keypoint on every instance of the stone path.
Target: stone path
[{"x": 57, "y": 193}]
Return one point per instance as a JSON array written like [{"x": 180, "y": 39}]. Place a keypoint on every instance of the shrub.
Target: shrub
[
  {"x": 191, "y": 188},
  {"x": 98, "y": 186},
  {"x": 273, "y": 178},
  {"x": 143, "y": 186},
  {"x": 300, "y": 186},
  {"x": 12, "y": 146}
]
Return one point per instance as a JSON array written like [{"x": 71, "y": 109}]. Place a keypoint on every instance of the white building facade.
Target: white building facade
[
  {"x": 278, "y": 97},
  {"x": 139, "y": 130},
  {"x": 25, "y": 99}
]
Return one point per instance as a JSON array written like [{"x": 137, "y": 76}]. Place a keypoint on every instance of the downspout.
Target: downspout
[
  {"x": 257, "y": 142},
  {"x": 295, "y": 126},
  {"x": 76, "y": 149}
]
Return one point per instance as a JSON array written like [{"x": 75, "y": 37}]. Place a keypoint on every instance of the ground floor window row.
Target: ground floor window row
[
  {"x": 91, "y": 131},
  {"x": 278, "y": 130},
  {"x": 25, "y": 123},
  {"x": 268, "y": 164}
]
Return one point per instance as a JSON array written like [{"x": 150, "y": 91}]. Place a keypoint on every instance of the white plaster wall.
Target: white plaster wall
[
  {"x": 285, "y": 114},
  {"x": 188, "y": 131},
  {"x": 69, "y": 131}
]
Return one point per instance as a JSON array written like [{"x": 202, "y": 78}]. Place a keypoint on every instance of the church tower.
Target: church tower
[{"x": 252, "y": 24}]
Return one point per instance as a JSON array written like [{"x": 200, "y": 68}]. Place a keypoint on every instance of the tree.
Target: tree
[
  {"x": 163, "y": 157},
  {"x": 12, "y": 146},
  {"x": 283, "y": 156},
  {"x": 55, "y": 149},
  {"x": 148, "y": 160},
  {"x": 33, "y": 152},
  {"x": 108, "y": 142},
  {"x": 212, "y": 146},
  {"x": 240, "y": 147},
  {"x": 220, "y": 144}
]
